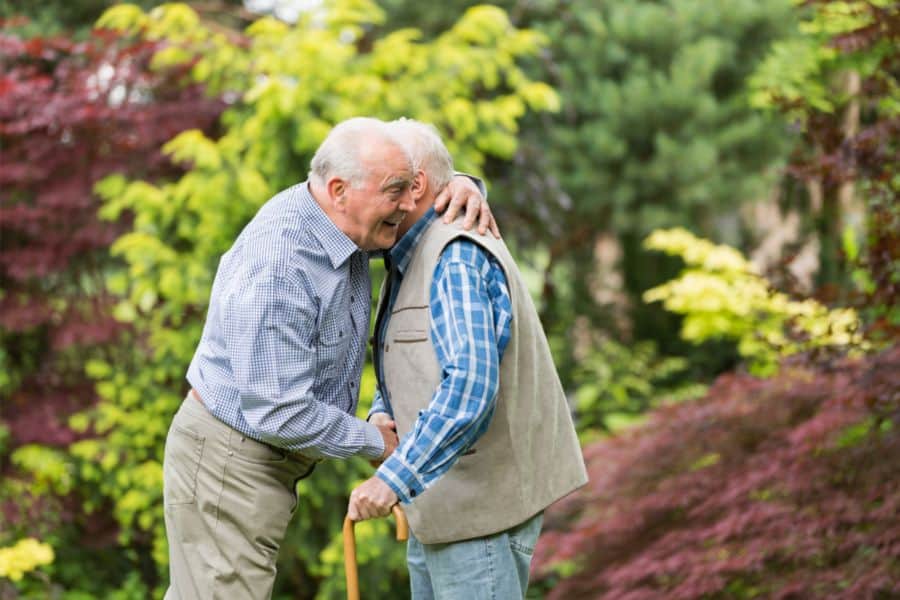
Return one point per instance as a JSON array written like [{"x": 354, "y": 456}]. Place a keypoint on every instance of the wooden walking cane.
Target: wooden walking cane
[{"x": 350, "y": 549}]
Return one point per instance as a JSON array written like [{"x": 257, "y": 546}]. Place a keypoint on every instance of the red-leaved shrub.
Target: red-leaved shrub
[
  {"x": 780, "y": 488},
  {"x": 71, "y": 113}
]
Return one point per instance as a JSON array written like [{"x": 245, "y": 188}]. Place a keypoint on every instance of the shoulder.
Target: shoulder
[
  {"x": 465, "y": 251},
  {"x": 273, "y": 256},
  {"x": 465, "y": 255}
]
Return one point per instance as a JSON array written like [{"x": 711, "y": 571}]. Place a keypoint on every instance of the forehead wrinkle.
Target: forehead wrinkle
[{"x": 385, "y": 161}]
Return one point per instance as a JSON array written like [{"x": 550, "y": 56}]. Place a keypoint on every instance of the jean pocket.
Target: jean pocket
[
  {"x": 183, "y": 453},
  {"x": 523, "y": 539}
]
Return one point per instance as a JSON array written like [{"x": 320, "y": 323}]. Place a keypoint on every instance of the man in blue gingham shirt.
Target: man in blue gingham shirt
[{"x": 275, "y": 377}]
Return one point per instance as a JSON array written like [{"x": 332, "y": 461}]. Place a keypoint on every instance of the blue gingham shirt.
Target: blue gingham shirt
[
  {"x": 283, "y": 345},
  {"x": 471, "y": 312}
]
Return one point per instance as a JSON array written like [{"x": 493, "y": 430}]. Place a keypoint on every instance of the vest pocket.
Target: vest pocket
[{"x": 410, "y": 336}]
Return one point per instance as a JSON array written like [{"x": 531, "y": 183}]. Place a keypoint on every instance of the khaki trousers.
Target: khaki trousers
[{"x": 228, "y": 501}]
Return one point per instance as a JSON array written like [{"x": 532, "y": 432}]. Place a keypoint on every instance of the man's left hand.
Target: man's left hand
[
  {"x": 371, "y": 499},
  {"x": 462, "y": 192}
]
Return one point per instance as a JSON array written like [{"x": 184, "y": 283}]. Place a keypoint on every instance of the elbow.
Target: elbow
[{"x": 262, "y": 418}]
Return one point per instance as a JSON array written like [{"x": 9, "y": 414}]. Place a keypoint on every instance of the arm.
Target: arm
[
  {"x": 269, "y": 326},
  {"x": 471, "y": 315}
]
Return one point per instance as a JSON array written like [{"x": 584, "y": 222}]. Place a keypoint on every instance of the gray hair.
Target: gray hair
[
  {"x": 427, "y": 150},
  {"x": 341, "y": 153}
]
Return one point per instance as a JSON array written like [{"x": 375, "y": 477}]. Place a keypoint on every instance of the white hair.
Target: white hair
[
  {"x": 428, "y": 152},
  {"x": 341, "y": 153}
]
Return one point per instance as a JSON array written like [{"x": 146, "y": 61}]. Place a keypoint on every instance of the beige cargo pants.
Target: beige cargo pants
[{"x": 228, "y": 500}]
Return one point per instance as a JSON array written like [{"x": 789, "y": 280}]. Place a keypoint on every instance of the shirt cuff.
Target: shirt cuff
[
  {"x": 377, "y": 409},
  {"x": 374, "y": 446},
  {"x": 400, "y": 477}
]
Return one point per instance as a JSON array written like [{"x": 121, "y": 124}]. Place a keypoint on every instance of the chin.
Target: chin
[{"x": 383, "y": 243}]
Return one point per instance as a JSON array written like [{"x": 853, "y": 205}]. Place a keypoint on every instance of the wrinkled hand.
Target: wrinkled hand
[
  {"x": 371, "y": 499},
  {"x": 388, "y": 432},
  {"x": 380, "y": 420},
  {"x": 460, "y": 192}
]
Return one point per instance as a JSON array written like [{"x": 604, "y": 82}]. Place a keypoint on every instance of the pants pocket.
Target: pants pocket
[
  {"x": 184, "y": 450},
  {"x": 523, "y": 538}
]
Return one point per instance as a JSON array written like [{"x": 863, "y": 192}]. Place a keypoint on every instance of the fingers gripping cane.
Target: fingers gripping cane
[{"x": 350, "y": 549}]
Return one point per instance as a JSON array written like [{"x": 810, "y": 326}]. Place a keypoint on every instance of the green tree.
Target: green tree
[
  {"x": 655, "y": 130},
  {"x": 839, "y": 81}
]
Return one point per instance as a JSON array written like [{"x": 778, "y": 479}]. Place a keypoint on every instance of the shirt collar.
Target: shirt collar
[
  {"x": 338, "y": 247},
  {"x": 402, "y": 251}
]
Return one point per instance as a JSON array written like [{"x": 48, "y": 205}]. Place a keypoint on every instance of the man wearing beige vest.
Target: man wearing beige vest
[{"x": 465, "y": 375}]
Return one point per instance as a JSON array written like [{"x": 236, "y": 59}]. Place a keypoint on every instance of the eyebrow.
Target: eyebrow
[{"x": 396, "y": 182}]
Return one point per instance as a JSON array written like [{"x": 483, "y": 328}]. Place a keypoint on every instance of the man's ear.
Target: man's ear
[
  {"x": 419, "y": 186},
  {"x": 337, "y": 193}
]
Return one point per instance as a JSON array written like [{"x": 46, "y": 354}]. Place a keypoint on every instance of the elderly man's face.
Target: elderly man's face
[{"x": 375, "y": 210}]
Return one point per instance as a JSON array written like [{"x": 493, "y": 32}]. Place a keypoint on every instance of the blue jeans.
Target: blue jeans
[{"x": 487, "y": 568}]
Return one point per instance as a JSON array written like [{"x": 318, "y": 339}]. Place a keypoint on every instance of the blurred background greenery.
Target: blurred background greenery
[{"x": 693, "y": 189}]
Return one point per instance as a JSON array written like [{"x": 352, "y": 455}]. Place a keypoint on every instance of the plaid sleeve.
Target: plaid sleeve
[{"x": 378, "y": 405}]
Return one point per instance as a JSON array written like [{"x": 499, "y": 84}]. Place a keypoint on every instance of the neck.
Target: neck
[{"x": 320, "y": 195}]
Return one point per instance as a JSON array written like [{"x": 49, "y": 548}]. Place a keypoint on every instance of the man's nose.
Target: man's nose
[{"x": 407, "y": 203}]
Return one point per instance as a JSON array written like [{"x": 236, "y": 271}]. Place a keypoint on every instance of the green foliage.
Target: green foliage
[
  {"x": 654, "y": 130},
  {"x": 49, "y": 467},
  {"x": 721, "y": 295},
  {"x": 287, "y": 86},
  {"x": 24, "y": 556},
  {"x": 838, "y": 81},
  {"x": 617, "y": 384},
  {"x": 801, "y": 72},
  {"x": 4, "y": 439}
]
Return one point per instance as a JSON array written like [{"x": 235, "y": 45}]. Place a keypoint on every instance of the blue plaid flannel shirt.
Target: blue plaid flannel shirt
[{"x": 471, "y": 312}]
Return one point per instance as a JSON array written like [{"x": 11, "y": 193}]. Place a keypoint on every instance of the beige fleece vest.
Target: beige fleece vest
[{"x": 529, "y": 457}]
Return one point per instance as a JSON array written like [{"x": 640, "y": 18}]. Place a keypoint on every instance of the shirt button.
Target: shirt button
[
  {"x": 412, "y": 493},
  {"x": 351, "y": 298},
  {"x": 341, "y": 334}
]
